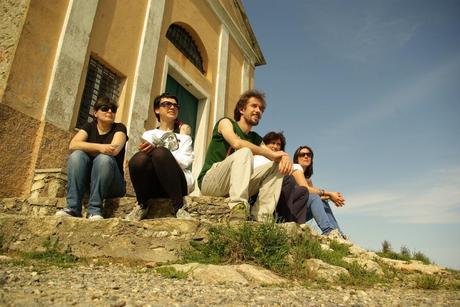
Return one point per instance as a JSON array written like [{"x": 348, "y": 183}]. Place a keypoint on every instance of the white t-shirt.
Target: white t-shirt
[
  {"x": 261, "y": 160},
  {"x": 180, "y": 147}
]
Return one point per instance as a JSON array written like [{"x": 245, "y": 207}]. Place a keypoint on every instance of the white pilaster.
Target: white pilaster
[
  {"x": 143, "y": 78},
  {"x": 221, "y": 75},
  {"x": 69, "y": 62}
]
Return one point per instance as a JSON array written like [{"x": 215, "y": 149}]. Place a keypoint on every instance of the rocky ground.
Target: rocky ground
[{"x": 115, "y": 284}]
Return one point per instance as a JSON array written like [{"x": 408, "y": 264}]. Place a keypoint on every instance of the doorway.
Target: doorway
[{"x": 188, "y": 103}]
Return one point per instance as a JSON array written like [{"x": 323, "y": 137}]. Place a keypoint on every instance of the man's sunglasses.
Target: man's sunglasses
[
  {"x": 305, "y": 154},
  {"x": 105, "y": 108},
  {"x": 168, "y": 104}
]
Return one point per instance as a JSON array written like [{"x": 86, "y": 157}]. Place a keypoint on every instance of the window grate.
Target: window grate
[
  {"x": 100, "y": 81},
  {"x": 185, "y": 43}
]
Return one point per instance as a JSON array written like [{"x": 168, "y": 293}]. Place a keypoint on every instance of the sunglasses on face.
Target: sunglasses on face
[
  {"x": 105, "y": 108},
  {"x": 169, "y": 104},
  {"x": 305, "y": 154}
]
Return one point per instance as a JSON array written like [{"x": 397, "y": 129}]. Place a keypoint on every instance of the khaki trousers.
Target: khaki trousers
[{"x": 235, "y": 177}]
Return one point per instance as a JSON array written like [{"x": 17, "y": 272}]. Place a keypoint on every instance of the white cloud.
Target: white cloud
[{"x": 429, "y": 200}]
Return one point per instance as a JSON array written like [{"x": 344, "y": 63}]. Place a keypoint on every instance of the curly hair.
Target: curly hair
[
  {"x": 273, "y": 136},
  {"x": 243, "y": 101}
]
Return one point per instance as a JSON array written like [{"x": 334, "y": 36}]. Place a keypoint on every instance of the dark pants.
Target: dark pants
[
  {"x": 292, "y": 204},
  {"x": 157, "y": 175}
]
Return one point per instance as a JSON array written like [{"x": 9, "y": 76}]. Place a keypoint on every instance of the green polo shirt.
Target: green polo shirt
[{"x": 219, "y": 148}]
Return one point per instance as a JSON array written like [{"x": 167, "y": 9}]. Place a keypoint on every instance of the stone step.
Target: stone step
[
  {"x": 159, "y": 240},
  {"x": 203, "y": 208}
]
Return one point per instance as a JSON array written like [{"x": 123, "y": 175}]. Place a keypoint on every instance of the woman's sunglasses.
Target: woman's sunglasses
[
  {"x": 105, "y": 108},
  {"x": 168, "y": 104},
  {"x": 305, "y": 154}
]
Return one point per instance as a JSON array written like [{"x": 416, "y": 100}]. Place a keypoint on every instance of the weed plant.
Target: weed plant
[
  {"x": 52, "y": 256},
  {"x": 170, "y": 272},
  {"x": 405, "y": 254},
  {"x": 429, "y": 282},
  {"x": 358, "y": 276},
  {"x": 269, "y": 246}
]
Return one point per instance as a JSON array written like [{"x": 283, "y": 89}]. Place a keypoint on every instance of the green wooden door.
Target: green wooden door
[{"x": 188, "y": 103}]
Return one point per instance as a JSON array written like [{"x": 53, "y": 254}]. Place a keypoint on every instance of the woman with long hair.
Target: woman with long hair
[
  {"x": 318, "y": 204},
  {"x": 160, "y": 169}
]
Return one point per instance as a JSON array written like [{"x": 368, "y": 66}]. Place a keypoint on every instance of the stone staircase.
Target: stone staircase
[{"x": 29, "y": 224}]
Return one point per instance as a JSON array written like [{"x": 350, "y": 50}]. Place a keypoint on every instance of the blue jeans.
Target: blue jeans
[
  {"x": 322, "y": 213},
  {"x": 100, "y": 174}
]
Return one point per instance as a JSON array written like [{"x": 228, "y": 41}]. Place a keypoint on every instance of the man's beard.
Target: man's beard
[{"x": 252, "y": 122}]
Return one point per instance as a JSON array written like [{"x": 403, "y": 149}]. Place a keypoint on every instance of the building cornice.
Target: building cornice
[{"x": 249, "y": 46}]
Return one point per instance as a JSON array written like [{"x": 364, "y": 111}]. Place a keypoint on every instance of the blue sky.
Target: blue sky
[{"x": 374, "y": 88}]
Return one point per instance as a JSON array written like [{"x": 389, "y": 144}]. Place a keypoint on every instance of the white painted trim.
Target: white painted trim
[
  {"x": 221, "y": 75},
  {"x": 138, "y": 63},
  {"x": 203, "y": 116},
  {"x": 234, "y": 30},
  {"x": 56, "y": 59},
  {"x": 140, "y": 99},
  {"x": 245, "y": 76}
]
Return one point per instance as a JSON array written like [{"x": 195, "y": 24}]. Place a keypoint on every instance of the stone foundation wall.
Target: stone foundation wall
[
  {"x": 18, "y": 133},
  {"x": 49, "y": 183},
  {"x": 54, "y": 148}
]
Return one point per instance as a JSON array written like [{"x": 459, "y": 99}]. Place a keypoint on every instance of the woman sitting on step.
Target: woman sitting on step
[
  {"x": 160, "y": 169},
  {"x": 318, "y": 200},
  {"x": 299, "y": 200},
  {"x": 96, "y": 162}
]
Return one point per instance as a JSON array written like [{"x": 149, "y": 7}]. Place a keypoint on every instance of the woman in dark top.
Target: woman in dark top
[{"x": 96, "y": 161}]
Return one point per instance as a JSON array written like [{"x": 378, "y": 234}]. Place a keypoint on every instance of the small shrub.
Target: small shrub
[
  {"x": 453, "y": 285},
  {"x": 265, "y": 244},
  {"x": 394, "y": 255},
  {"x": 358, "y": 276},
  {"x": 171, "y": 272},
  {"x": 386, "y": 247},
  {"x": 405, "y": 252},
  {"x": 429, "y": 282},
  {"x": 342, "y": 249},
  {"x": 52, "y": 256},
  {"x": 421, "y": 257}
]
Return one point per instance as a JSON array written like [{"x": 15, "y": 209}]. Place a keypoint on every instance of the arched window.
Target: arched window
[{"x": 185, "y": 43}]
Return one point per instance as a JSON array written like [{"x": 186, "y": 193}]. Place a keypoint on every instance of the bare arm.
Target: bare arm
[
  {"x": 336, "y": 197},
  {"x": 226, "y": 129},
  {"x": 79, "y": 142}
]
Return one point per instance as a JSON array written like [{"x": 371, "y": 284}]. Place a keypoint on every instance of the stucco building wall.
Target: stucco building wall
[
  {"x": 12, "y": 16},
  {"x": 47, "y": 73}
]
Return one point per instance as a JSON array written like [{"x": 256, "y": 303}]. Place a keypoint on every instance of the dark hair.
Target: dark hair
[
  {"x": 273, "y": 136},
  {"x": 243, "y": 101},
  {"x": 156, "y": 105},
  {"x": 104, "y": 101},
  {"x": 309, "y": 171}
]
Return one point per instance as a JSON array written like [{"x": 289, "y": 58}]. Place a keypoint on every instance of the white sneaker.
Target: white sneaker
[
  {"x": 95, "y": 217},
  {"x": 65, "y": 213},
  {"x": 137, "y": 214}
]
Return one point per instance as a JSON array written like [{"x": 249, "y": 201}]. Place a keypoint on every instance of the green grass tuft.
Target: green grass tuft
[
  {"x": 429, "y": 282},
  {"x": 268, "y": 245},
  {"x": 171, "y": 272}
]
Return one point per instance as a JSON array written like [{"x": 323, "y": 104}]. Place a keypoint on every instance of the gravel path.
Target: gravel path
[{"x": 120, "y": 285}]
